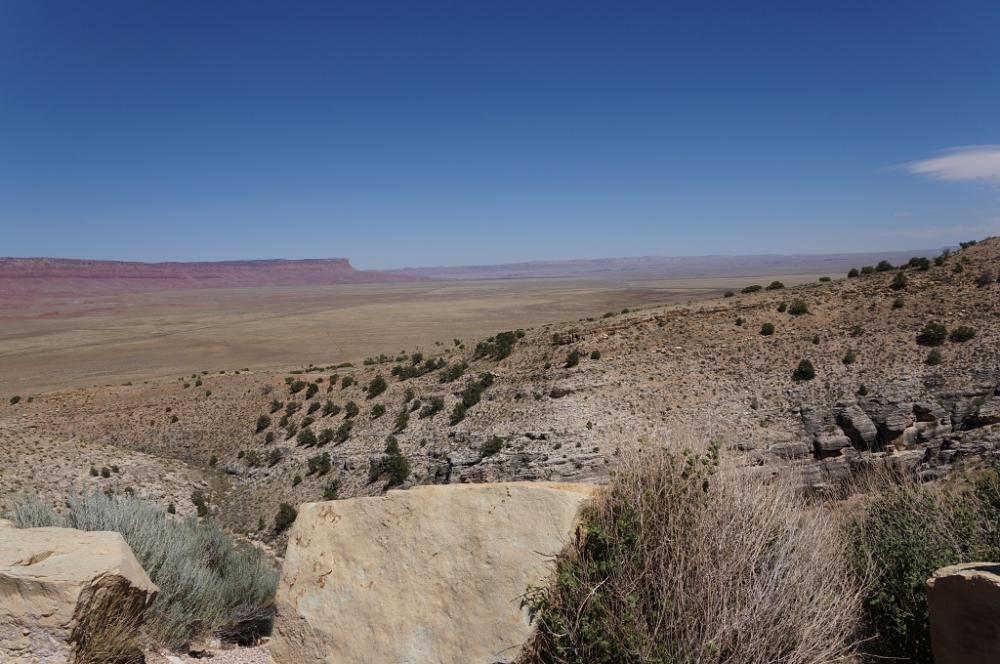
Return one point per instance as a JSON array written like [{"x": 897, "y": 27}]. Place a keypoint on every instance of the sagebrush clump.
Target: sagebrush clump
[{"x": 209, "y": 584}]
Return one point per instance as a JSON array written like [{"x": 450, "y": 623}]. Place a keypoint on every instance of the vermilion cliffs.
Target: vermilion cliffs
[{"x": 61, "y": 276}]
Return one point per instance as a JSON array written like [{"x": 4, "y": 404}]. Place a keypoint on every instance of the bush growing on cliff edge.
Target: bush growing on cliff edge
[
  {"x": 905, "y": 534},
  {"x": 209, "y": 584},
  {"x": 680, "y": 563}
]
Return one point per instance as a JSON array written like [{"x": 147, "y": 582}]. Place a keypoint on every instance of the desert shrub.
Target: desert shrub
[
  {"x": 958, "y": 269},
  {"x": 453, "y": 372},
  {"x": 751, "y": 289},
  {"x": 378, "y": 410},
  {"x": 274, "y": 457},
  {"x": 862, "y": 390},
  {"x": 679, "y": 563},
  {"x": 884, "y": 266},
  {"x": 14, "y": 400},
  {"x": 291, "y": 428},
  {"x": 393, "y": 467},
  {"x": 263, "y": 422},
  {"x": 824, "y": 279},
  {"x": 499, "y": 346},
  {"x": 897, "y": 303},
  {"x": 804, "y": 371},
  {"x": 276, "y": 406},
  {"x": 296, "y": 386},
  {"x": 330, "y": 408},
  {"x": 313, "y": 407},
  {"x": 269, "y": 437},
  {"x": 962, "y": 333},
  {"x": 798, "y": 308},
  {"x": 595, "y": 355},
  {"x": 343, "y": 432},
  {"x": 932, "y": 334},
  {"x": 933, "y": 358},
  {"x": 351, "y": 409},
  {"x": 292, "y": 407},
  {"x": 311, "y": 390},
  {"x": 572, "y": 359},
  {"x": 319, "y": 464},
  {"x": 209, "y": 584},
  {"x": 775, "y": 285},
  {"x": 853, "y": 272},
  {"x": 458, "y": 413},
  {"x": 728, "y": 293},
  {"x": 898, "y": 282},
  {"x": 920, "y": 263},
  {"x": 306, "y": 421},
  {"x": 905, "y": 534},
  {"x": 285, "y": 517},
  {"x": 402, "y": 421},
  {"x": 31, "y": 512},
  {"x": 325, "y": 437},
  {"x": 306, "y": 437},
  {"x": 767, "y": 329},
  {"x": 105, "y": 472},
  {"x": 433, "y": 406},
  {"x": 376, "y": 387},
  {"x": 867, "y": 269},
  {"x": 332, "y": 490},
  {"x": 782, "y": 307},
  {"x": 850, "y": 357},
  {"x": 491, "y": 447},
  {"x": 346, "y": 382}
]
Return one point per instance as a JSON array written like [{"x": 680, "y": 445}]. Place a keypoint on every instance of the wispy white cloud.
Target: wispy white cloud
[
  {"x": 959, "y": 231},
  {"x": 975, "y": 162}
]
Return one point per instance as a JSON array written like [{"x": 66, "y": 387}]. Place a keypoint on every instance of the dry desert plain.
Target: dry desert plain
[{"x": 61, "y": 343}]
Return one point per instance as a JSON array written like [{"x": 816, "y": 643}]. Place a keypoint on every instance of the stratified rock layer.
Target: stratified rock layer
[{"x": 432, "y": 574}]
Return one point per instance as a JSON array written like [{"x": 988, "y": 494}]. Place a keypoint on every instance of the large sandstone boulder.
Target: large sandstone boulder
[
  {"x": 62, "y": 589},
  {"x": 433, "y": 574},
  {"x": 964, "y": 606}
]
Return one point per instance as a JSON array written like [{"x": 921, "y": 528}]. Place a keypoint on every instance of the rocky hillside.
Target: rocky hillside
[{"x": 901, "y": 365}]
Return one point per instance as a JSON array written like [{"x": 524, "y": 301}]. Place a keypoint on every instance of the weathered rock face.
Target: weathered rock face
[
  {"x": 964, "y": 602},
  {"x": 59, "y": 588},
  {"x": 432, "y": 574}
]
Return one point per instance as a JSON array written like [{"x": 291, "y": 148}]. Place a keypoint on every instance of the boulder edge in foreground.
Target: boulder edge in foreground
[
  {"x": 63, "y": 590},
  {"x": 429, "y": 574},
  {"x": 963, "y": 602}
]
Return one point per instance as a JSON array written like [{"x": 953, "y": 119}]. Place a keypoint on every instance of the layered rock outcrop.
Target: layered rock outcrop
[
  {"x": 432, "y": 574},
  {"x": 62, "y": 590}
]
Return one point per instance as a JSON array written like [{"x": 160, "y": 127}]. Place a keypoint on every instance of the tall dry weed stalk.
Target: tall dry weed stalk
[{"x": 681, "y": 561}]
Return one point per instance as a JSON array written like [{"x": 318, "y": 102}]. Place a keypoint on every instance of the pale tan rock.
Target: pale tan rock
[
  {"x": 59, "y": 586},
  {"x": 432, "y": 574},
  {"x": 963, "y": 602}
]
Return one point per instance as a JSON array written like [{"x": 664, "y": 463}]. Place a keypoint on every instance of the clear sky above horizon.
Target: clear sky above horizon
[{"x": 418, "y": 133}]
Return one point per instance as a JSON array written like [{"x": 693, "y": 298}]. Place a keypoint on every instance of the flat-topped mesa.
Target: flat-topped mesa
[{"x": 25, "y": 276}]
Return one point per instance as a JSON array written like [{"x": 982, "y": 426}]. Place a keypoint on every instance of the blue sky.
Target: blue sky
[{"x": 418, "y": 133}]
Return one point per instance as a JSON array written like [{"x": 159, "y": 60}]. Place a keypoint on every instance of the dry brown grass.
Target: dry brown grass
[{"x": 681, "y": 562}]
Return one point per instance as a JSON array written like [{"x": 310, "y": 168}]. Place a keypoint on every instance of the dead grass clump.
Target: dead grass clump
[{"x": 681, "y": 562}]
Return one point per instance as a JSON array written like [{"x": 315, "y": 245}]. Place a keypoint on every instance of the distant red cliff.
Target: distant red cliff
[{"x": 22, "y": 277}]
